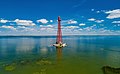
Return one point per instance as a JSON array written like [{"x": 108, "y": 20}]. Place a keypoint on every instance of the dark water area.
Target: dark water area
[{"x": 36, "y": 55}]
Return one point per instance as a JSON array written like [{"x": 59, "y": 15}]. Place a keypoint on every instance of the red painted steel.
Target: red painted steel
[{"x": 59, "y": 32}]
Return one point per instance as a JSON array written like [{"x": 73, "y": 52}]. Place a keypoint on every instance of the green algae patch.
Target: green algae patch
[
  {"x": 11, "y": 67},
  {"x": 24, "y": 62},
  {"x": 42, "y": 71},
  {"x": 43, "y": 62}
]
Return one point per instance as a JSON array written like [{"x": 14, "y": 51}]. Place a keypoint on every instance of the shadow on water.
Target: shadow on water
[{"x": 110, "y": 70}]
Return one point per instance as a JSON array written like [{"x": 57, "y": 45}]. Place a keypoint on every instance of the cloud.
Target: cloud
[
  {"x": 72, "y": 22},
  {"x": 80, "y": 29},
  {"x": 91, "y": 19},
  {"x": 46, "y": 26},
  {"x": 95, "y": 20},
  {"x": 24, "y": 22},
  {"x": 92, "y": 9},
  {"x": 116, "y": 22},
  {"x": 97, "y": 11},
  {"x": 29, "y": 29},
  {"x": 49, "y": 26},
  {"x": 99, "y": 21},
  {"x": 113, "y": 14},
  {"x": 50, "y": 29},
  {"x": 3, "y": 21},
  {"x": 44, "y": 21},
  {"x": 97, "y": 31},
  {"x": 51, "y": 21},
  {"x": 23, "y": 27},
  {"x": 72, "y": 27},
  {"x": 8, "y": 27},
  {"x": 42, "y": 28},
  {"x": 26, "y": 29},
  {"x": 82, "y": 24},
  {"x": 90, "y": 28},
  {"x": 41, "y": 25}
]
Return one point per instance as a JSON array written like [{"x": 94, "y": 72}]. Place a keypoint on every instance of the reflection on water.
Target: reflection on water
[
  {"x": 59, "y": 54},
  {"x": 83, "y": 55},
  {"x": 43, "y": 51},
  {"x": 25, "y": 45}
]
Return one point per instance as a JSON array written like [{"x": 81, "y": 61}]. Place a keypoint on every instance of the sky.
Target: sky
[{"x": 79, "y": 17}]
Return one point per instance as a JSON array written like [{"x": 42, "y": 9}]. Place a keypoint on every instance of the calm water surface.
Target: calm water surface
[{"x": 83, "y": 55}]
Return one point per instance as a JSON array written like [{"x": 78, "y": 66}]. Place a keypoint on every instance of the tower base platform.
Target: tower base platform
[{"x": 60, "y": 45}]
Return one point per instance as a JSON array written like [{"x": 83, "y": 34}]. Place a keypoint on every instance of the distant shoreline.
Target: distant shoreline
[{"x": 49, "y": 35}]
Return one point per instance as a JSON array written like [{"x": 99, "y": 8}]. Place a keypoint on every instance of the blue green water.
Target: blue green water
[{"x": 36, "y": 55}]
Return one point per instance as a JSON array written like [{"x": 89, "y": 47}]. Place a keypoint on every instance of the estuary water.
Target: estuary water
[{"x": 36, "y": 55}]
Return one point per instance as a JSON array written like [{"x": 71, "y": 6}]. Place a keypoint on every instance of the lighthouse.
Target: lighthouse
[
  {"x": 59, "y": 42},
  {"x": 59, "y": 32}
]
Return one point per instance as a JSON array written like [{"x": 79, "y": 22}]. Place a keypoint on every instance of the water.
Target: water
[{"x": 35, "y": 55}]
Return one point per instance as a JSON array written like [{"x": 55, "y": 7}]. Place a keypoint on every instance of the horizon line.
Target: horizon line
[{"x": 69, "y": 35}]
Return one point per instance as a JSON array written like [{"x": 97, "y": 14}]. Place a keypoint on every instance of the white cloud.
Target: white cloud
[
  {"x": 50, "y": 29},
  {"x": 80, "y": 29},
  {"x": 116, "y": 22},
  {"x": 90, "y": 28},
  {"x": 26, "y": 29},
  {"x": 46, "y": 26},
  {"x": 92, "y": 9},
  {"x": 72, "y": 22},
  {"x": 91, "y": 19},
  {"x": 30, "y": 29},
  {"x": 97, "y": 11},
  {"x": 99, "y": 21},
  {"x": 72, "y": 27},
  {"x": 113, "y": 14},
  {"x": 93, "y": 31},
  {"x": 3, "y": 21},
  {"x": 41, "y": 25},
  {"x": 21, "y": 27},
  {"x": 51, "y": 21},
  {"x": 44, "y": 21},
  {"x": 82, "y": 24},
  {"x": 24, "y": 22},
  {"x": 42, "y": 28},
  {"x": 49, "y": 26},
  {"x": 95, "y": 20},
  {"x": 8, "y": 27}
]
